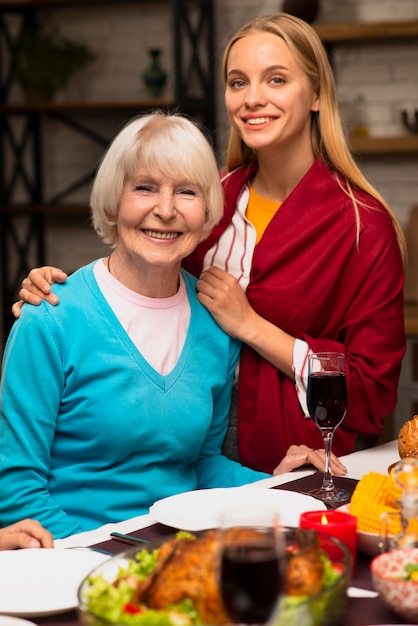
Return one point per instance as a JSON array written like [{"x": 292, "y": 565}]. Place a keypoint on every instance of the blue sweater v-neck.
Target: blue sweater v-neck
[{"x": 90, "y": 433}]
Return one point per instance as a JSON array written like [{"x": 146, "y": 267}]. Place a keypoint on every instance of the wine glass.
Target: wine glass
[
  {"x": 327, "y": 405},
  {"x": 252, "y": 562}
]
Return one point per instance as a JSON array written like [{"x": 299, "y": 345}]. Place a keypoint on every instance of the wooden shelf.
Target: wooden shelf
[
  {"x": 23, "y": 123},
  {"x": 143, "y": 104},
  {"x": 363, "y": 32},
  {"x": 337, "y": 33},
  {"x": 385, "y": 145}
]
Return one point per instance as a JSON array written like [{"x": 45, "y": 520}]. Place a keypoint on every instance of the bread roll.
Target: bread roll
[{"x": 408, "y": 439}]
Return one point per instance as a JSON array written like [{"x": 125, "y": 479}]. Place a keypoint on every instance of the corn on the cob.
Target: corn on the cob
[{"x": 374, "y": 495}]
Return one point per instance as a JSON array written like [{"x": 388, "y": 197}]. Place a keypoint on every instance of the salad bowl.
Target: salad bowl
[
  {"x": 106, "y": 596},
  {"x": 395, "y": 577}
]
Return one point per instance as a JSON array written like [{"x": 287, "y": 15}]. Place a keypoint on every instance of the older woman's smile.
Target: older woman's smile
[{"x": 161, "y": 235}]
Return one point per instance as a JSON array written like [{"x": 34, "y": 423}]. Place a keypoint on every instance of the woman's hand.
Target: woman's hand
[
  {"x": 224, "y": 298},
  {"x": 25, "y": 534},
  {"x": 302, "y": 455},
  {"x": 37, "y": 287}
]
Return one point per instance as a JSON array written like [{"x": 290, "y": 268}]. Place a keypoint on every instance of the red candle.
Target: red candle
[{"x": 338, "y": 524}]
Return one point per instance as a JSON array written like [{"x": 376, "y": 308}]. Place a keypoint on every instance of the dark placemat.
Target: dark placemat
[
  {"x": 154, "y": 531},
  {"x": 313, "y": 481},
  {"x": 70, "y": 618}
]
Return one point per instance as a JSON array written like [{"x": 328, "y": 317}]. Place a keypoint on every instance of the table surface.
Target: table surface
[{"x": 360, "y": 611}]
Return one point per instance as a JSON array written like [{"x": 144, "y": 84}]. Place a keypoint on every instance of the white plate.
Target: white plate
[
  {"x": 201, "y": 509},
  {"x": 35, "y": 582}
]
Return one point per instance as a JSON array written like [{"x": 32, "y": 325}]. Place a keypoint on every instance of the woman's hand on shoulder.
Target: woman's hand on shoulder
[
  {"x": 27, "y": 533},
  {"x": 221, "y": 294},
  {"x": 296, "y": 456},
  {"x": 37, "y": 287}
]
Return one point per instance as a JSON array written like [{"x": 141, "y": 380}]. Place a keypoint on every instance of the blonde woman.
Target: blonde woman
[{"x": 308, "y": 255}]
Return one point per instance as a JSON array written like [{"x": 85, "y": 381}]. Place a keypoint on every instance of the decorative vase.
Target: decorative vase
[
  {"x": 307, "y": 10},
  {"x": 155, "y": 75}
]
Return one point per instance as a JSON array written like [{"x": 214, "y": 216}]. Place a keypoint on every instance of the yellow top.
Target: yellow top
[{"x": 259, "y": 212}]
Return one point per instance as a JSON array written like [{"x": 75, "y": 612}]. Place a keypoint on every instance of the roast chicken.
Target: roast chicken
[
  {"x": 189, "y": 569},
  {"x": 186, "y": 568},
  {"x": 305, "y": 568}
]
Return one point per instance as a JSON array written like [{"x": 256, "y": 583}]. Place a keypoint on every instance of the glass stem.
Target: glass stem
[{"x": 327, "y": 482}]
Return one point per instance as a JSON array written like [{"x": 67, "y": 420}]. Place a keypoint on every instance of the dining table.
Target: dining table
[{"x": 364, "y": 607}]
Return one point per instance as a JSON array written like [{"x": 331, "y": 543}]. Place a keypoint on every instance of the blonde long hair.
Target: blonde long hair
[{"x": 327, "y": 134}]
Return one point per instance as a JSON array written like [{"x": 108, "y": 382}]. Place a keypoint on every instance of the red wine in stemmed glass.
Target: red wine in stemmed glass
[
  {"x": 327, "y": 398},
  {"x": 327, "y": 404}
]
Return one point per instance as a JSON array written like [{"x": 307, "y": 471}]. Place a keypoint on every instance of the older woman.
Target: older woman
[{"x": 121, "y": 395}]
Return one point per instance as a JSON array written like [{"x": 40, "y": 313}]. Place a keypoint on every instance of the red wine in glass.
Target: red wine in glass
[
  {"x": 251, "y": 581},
  {"x": 326, "y": 398}
]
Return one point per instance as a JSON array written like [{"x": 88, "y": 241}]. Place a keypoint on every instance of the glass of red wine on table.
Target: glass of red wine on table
[
  {"x": 252, "y": 564},
  {"x": 327, "y": 405}
]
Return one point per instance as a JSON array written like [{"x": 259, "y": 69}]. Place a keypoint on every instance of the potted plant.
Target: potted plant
[{"x": 46, "y": 60}]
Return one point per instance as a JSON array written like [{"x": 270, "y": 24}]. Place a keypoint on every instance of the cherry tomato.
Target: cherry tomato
[{"x": 131, "y": 609}]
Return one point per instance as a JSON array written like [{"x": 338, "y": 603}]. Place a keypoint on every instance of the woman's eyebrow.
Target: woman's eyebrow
[{"x": 270, "y": 68}]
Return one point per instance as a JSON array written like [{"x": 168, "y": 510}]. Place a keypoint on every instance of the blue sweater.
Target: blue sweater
[{"x": 90, "y": 433}]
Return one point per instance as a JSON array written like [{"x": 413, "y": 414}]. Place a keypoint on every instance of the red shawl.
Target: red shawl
[{"x": 310, "y": 278}]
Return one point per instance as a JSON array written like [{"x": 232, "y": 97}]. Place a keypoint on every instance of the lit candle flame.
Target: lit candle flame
[{"x": 324, "y": 520}]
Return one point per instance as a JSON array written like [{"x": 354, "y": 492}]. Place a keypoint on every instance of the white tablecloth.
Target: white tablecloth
[{"x": 375, "y": 459}]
